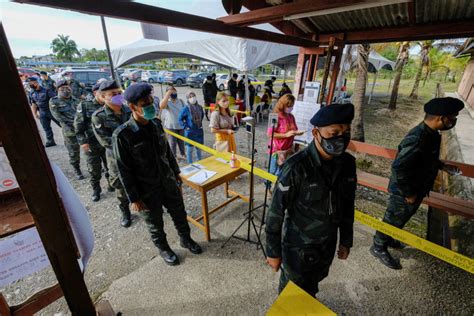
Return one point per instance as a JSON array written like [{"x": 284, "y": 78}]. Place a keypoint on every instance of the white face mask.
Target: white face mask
[
  {"x": 192, "y": 100},
  {"x": 225, "y": 104}
]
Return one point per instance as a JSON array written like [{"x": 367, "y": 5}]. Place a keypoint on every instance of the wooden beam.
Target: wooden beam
[
  {"x": 335, "y": 73},
  {"x": 25, "y": 151},
  {"x": 135, "y": 11},
  {"x": 278, "y": 12}
]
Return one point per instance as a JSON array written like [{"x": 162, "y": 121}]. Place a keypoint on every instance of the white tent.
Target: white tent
[{"x": 232, "y": 52}]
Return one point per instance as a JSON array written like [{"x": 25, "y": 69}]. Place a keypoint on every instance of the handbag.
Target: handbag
[{"x": 221, "y": 145}]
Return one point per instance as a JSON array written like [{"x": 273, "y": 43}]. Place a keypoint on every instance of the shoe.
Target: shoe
[
  {"x": 96, "y": 195},
  {"x": 79, "y": 175},
  {"x": 169, "y": 256},
  {"x": 110, "y": 188},
  {"x": 191, "y": 245},
  {"x": 126, "y": 221},
  {"x": 385, "y": 257},
  {"x": 396, "y": 244},
  {"x": 50, "y": 144}
]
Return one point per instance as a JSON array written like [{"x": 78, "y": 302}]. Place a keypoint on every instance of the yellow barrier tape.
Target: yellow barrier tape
[
  {"x": 278, "y": 81},
  {"x": 424, "y": 245},
  {"x": 232, "y": 110}
]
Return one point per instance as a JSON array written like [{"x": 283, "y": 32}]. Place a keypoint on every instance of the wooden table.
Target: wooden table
[{"x": 224, "y": 174}]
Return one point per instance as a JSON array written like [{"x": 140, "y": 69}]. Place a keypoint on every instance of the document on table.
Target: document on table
[
  {"x": 222, "y": 160},
  {"x": 192, "y": 168},
  {"x": 202, "y": 176}
]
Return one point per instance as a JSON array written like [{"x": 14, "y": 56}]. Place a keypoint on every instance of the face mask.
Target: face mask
[
  {"x": 192, "y": 100},
  {"x": 225, "y": 104},
  {"x": 149, "y": 112},
  {"x": 449, "y": 125},
  {"x": 64, "y": 93},
  {"x": 335, "y": 146},
  {"x": 117, "y": 100},
  {"x": 289, "y": 110},
  {"x": 174, "y": 95}
]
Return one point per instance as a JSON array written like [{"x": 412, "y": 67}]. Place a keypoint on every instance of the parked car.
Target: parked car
[
  {"x": 197, "y": 79},
  {"x": 221, "y": 81},
  {"x": 161, "y": 76},
  {"x": 176, "y": 77},
  {"x": 150, "y": 76},
  {"x": 85, "y": 76},
  {"x": 28, "y": 72},
  {"x": 131, "y": 73},
  {"x": 253, "y": 80}
]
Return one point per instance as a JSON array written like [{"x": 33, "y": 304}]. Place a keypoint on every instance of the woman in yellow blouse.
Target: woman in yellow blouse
[{"x": 222, "y": 124}]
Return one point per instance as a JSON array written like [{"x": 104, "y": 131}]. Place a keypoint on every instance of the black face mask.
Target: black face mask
[
  {"x": 448, "y": 126},
  {"x": 335, "y": 146}
]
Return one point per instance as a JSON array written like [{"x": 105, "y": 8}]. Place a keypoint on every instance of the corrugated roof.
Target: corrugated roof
[{"x": 443, "y": 10}]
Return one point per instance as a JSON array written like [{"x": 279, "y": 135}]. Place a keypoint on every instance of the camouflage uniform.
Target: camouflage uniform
[
  {"x": 85, "y": 135},
  {"x": 64, "y": 110},
  {"x": 48, "y": 84},
  {"x": 104, "y": 123},
  {"x": 313, "y": 200},
  {"x": 148, "y": 171},
  {"x": 414, "y": 171},
  {"x": 77, "y": 89}
]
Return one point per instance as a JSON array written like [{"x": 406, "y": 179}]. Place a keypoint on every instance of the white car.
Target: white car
[{"x": 221, "y": 81}]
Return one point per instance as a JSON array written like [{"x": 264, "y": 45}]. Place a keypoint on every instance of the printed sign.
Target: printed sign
[
  {"x": 311, "y": 91},
  {"x": 303, "y": 112},
  {"x": 7, "y": 178}
]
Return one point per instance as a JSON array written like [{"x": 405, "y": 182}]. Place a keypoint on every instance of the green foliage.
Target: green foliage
[
  {"x": 64, "y": 48},
  {"x": 93, "y": 54}
]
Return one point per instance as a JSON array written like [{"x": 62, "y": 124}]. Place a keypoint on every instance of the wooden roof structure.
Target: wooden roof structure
[{"x": 319, "y": 27}]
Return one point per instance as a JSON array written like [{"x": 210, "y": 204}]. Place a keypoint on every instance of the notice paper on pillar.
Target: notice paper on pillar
[
  {"x": 303, "y": 112},
  {"x": 7, "y": 178},
  {"x": 21, "y": 254},
  {"x": 311, "y": 91}
]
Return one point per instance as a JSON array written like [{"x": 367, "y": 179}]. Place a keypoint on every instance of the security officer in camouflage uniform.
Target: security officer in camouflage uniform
[
  {"x": 78, "y": 88},
  {"x": 63, "y": 108},
  {"x": 149, "y": 171},
  {"x": 414, "y": 171},
  {"x": 86, "y": 138},
  {"x": 104, "y": 122},
  {"x": 313, "y": 201},
  {"x": 46, "y": 81}
]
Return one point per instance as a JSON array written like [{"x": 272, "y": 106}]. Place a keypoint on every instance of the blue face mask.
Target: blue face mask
[
  {"x": 174, "y": 95},
  {"x": 149, "y": 112}
]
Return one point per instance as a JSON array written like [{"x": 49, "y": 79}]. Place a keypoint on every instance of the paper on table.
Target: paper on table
[
  {"x": 202, "y": 176},
  {"x": 199, "y": 166},
  {"x": 188, "y": 170},
  {"x": 222, "y": 160}
]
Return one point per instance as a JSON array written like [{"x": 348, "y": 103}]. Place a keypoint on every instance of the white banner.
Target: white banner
[{"x": 303, "y": 112}]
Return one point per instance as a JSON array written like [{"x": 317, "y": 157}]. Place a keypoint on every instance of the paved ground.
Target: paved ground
[{"x": 125, "y": 269}]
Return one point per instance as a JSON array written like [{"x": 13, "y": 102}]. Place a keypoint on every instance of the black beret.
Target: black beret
[
  {"x": 30, "y": 79},
  {"x": 209, "y": 77},
  {"x": 108, "y": 85},
  {"x": 443, "y": 106},
  {"x": 43, "y": 72},
  {"x": 96, "y": 87},
  {"x": 334, "y": 114},
  {"x": 62, "y": 83},
  {"x": 137, "y": 91}
]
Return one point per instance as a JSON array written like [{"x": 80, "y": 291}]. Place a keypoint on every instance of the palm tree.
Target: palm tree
[
  {"x": 424, "y": 62},
  {"x": 402, "y": 59},
  {"x": 64, "y": 48},
  {"x": 357, "y": 126}
]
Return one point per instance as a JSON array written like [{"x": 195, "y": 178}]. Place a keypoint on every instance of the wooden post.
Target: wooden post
[
  {"x": 315, "y": 76},
  {"x": 25, "y": 151},
  {"x": 335, "y": 73},
  {"x": 327, "y": 66},
  {"x": 299, "y": 73}
]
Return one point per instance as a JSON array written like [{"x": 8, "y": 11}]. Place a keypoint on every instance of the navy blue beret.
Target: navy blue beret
[
  {"x": 30, "y": 79},
  {"x": 334, "y": 114},
  {"x": 108, "y": 85},
  {"x": 443, "y": 106},
  {"x": 43, "y": 72},
  {"x": 61, "y": 83},
  {"x": 137, "y": 91},
  {"x": 96, "y": 87}
]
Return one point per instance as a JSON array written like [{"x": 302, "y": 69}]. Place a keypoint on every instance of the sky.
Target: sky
[{"x": 30, "y": 29}]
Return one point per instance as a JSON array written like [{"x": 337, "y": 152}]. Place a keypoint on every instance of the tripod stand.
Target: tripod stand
[{"x": 249, "y": 217}]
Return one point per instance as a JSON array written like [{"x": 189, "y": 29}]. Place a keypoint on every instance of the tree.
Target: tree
[
  {"x": 93, "y": 54},
  {"x": 402, "y": 59},
  {"x": 424, "y": 63},
  {"x": 64, "y": 48},
  {"x": 357, "y": 126}
]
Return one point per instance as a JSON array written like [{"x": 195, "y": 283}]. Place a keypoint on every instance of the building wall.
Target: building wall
[{"x": 466, "y": 86}]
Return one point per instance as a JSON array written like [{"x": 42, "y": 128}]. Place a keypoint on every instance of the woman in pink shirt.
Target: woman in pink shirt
[{"x": 284, "y": 135}]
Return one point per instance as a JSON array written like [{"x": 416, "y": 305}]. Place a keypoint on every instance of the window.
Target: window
[
  {"x": 80, "y": 76},
  {"x": 94, "y": 76}
]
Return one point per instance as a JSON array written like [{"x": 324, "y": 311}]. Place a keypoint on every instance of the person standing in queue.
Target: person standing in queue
[
  {"x": 313, "y": 202},
  {"x": 46, "y": 81},
  {"x": 232, "y": 85},
  {"x": 149, "y": 172},
  {"x": 170, "y": 107},
  {"x": 104, "y": 122},
  {"x": 85, "y": 136},
  {"x": 222, "y": 125},
  {"x": 209, "y": 91},
  {"x": 191, "y": 117},
  {"x": 414, "y": 171},
  {"x": 39, "y": 100},
  {"x": 63, "y": 108}
]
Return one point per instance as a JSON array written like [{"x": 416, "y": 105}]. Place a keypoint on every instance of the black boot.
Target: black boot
[
  {"x": 385, "y": 257},
  {"x": 79, "y": 175},
  {"x": 191, "y": 245},
  {"x": 168, "y": 255},
  {"x": 396, "y": 244},
  {"x": 126, "y": 219},
  {"x": 50, "y": 143},
  {"x": 96, "y": 194}
]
